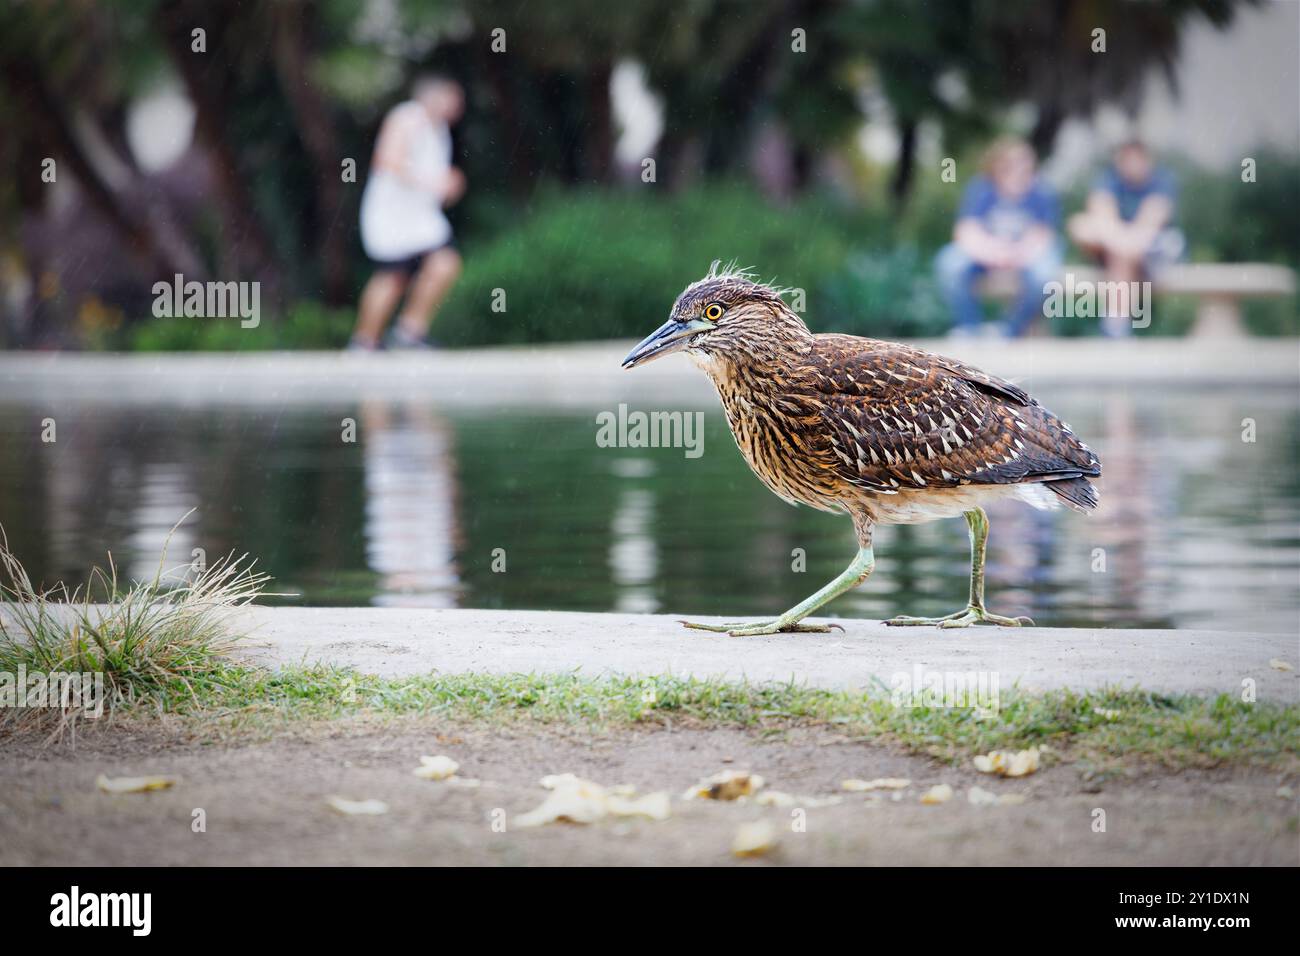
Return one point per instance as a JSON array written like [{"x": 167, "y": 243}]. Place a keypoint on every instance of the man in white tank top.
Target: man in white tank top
[{"x": 403, "y": 228}]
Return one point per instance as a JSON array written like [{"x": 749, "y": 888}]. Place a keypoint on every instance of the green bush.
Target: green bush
[
  {"x": 604, "y": 263},
  {"x": 1227, "y": 220},
  {"x": 305, "y": 325},
  {"x": 599, "y": 264},
  {"x": 890, "y": 292}
]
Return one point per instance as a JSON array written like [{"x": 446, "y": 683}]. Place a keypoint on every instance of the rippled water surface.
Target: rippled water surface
[{"x": 428, "y": 507}]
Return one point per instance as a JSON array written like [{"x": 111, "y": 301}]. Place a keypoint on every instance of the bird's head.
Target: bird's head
[{"x": 725, "y": 315}]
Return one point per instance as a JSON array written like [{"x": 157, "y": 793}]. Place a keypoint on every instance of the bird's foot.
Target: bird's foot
[
  {"x": 753, "y": 629},
  {"x": 964, "y": 618}
]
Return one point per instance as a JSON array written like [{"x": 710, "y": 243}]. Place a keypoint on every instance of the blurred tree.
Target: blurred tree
[
  {"x": 293, "y": 52},
  {"x": 283, "y": 92},
  {"x": 962, "y": 63},
  {"x": 230, "y": 67},
  {"x": 65, "y": 101}
]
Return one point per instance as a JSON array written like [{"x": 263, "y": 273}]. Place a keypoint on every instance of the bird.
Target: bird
[{"x": 882, "y": 432}]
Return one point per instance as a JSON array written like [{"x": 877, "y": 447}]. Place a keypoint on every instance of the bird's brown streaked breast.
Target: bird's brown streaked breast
[{"x": 779, "y": 445}]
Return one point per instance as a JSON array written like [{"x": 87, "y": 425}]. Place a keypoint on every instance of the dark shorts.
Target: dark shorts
[{"x": 411, "y": 264}]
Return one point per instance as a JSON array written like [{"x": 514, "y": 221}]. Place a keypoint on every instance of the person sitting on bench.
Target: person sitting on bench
[
  {"x": 1008, "y": 219},
  {"x": 1127, "y": 227}
]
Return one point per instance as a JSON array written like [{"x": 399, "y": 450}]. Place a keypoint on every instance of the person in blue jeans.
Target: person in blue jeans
[
  {"x": 1128, "y": 227},
  {"x": 1008, "y": 220}
]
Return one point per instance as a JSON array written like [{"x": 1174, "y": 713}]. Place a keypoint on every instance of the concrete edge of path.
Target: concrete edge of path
[
  {"x": 396, "y": 642},
  {"x": 582, "y": 375}
]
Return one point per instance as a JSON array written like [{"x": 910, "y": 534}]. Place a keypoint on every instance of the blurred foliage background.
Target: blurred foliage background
[{"x": 757, "y": 158}]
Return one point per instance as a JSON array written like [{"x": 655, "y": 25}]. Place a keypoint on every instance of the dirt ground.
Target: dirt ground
[{"x": 265, "y": 803}]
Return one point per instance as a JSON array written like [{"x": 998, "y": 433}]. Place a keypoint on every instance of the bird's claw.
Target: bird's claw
[
  {"x": 964, "y": 618},
  {"x": 741, "y": 629}
]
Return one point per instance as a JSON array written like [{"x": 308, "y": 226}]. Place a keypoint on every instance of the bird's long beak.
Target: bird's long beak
[{"x": 672, "y": 336}]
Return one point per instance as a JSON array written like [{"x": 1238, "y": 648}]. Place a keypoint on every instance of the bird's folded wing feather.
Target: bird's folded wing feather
[{"x": 899, "y": 419}]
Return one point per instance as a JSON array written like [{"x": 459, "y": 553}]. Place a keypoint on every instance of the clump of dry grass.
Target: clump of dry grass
[{"x": 155, "y": 642}]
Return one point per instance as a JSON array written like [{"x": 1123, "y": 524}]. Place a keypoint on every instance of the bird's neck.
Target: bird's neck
[{"x": 755, "y": 363}]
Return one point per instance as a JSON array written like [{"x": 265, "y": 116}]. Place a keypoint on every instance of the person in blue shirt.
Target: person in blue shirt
[
  {"x": 1008, "y": 220},
  {"x": 1127, "y": 225}
]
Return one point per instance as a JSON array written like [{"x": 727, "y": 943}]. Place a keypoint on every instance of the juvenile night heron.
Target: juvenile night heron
[{"x": 885, "y": 433}]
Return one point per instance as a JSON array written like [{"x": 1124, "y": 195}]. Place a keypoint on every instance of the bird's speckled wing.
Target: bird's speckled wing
[{"x": 898, "y": 418}]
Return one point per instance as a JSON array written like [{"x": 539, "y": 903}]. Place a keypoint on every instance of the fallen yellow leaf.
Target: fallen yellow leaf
[
  {"x": 940, "y": 793},
  {"x": 440, "y": 767},
  {"x": 880, "y": 783},
  {"x": 981, "y": 797},
  {"x": 653, "y": 806},
  {"x": 1280, "y": 665},
  {"x": 556, "y": 780},
  {"x": 726, "y": 785},
  {"x": 574, "y": 800},
  {"x": 777, "y": 798},
  {"x": 754, "y": 839},
  {"x": 133, "y": 784},
  {"x": 357, "y": 807},
  {"x": 1007, "y": 764}
]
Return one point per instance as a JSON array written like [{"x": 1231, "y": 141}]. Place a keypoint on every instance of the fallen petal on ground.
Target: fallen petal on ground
[
  {"x": 940, "y": 793},
  {"x": 880, "y": 783},
  {"x": 133, "y": 784},
  {"x": 754, "y": 839},
  {"x": 574, "y": 800},
  {"x": 726, "y": 785},
  {"x": 1007, "y": 763},
  {"x": 362, "y": 808},
  {"x": 984, "y": 798},
  {"x": 440, "y": 767},
  {"x": 653, "y": 806}
]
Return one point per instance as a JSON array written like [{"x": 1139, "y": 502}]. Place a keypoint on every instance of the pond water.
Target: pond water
[{"x": 447, "y": 508}]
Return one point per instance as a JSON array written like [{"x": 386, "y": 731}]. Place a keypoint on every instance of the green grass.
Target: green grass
[
  {"x": 157, "y": 643},
  {"x": 165, "y": 649},
  {"x": 1096, "y": 728}
]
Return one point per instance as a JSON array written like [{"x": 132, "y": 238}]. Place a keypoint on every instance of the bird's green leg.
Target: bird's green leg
[
  {"x": 975, "y": 612},
  {"x": 852, "y": 576}
]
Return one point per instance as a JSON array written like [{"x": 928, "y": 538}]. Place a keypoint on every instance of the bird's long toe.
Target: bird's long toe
[
  {"x": 1001, "y": 621},
  {"x": 776, "y": 627},
  {"x": 715, "y": 628},
  {"x": 963, "y": 618},
  {"x": 904, "y": 620},
  {"x": 756, "y": 628}
]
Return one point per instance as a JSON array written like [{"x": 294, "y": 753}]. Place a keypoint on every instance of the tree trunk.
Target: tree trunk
[
  {"x": 53, "y": 128},
  {"x": 1045, "y": 129},
  {"x": 245, "y": 243},
  {"x": 599, "y": 125},
  {"x": 901, "y": 184},
  {"x": 515, "y": 139},
  {"x": 312, "y": 121}
]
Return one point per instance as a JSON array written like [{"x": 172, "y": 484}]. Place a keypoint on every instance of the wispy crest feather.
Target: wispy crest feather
[{"x": 734, "y": 270}]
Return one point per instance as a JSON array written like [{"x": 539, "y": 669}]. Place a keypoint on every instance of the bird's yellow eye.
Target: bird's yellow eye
[{"x": 713, "y": 311}]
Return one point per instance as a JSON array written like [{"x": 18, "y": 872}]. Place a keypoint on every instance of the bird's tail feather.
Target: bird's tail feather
[{"x": 1079, "y": 493}]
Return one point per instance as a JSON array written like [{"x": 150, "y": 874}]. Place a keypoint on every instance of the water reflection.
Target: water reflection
[
  {"x": 410, "y": 504},
  {"x": 1196, "y": 527},
  {"x": 633, "y": 556},
  {"x": 166, "y": 495},
  {"x": 1125, "y": 523}
]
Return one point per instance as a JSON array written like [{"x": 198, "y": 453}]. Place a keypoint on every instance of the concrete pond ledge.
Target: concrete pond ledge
[
  {"x": 396, "y": 642},
  {"x": 590, "y": 374}
]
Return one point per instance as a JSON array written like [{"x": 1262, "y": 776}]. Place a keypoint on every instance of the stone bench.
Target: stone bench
[{"x": 1219, "y": 288}]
